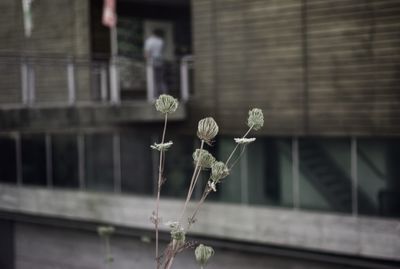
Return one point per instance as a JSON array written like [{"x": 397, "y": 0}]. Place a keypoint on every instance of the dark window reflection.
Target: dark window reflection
[
  {"x": 65, "y": 161},
  {"x": 33, "y": 159},
  {"x": 269, "y": 162},
  {"x": 325, "y": 174},
  {"x": 230, "y": 190},
  {"x": 179, "y": 167},
  {"x": 379, "y": 177},
  {"x": 136, "y": 163},
  {"x": 8, "y": 169},
  {"x": 99, "y": 162}
]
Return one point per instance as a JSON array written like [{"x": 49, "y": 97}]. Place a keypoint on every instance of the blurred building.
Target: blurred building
[{"x": 321, "y": 184}]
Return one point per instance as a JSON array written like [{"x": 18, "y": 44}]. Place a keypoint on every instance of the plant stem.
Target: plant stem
[
  {"x": 203, "y": 198},
  {"x": 108, "y": 252},
  {"x": 207, "y": 189},
  {"x": 160, "y": 172},
  {"x": 192, "y": 181},
  {"x": 238, "y": 158},
  {"x": 233, "y": 151},
  {"x": 195, "y": 182},
  {"x": 171, "y": 260}
]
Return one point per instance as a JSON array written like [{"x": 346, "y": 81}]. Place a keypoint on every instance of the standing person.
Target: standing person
[{"x": 153, "y": 52}]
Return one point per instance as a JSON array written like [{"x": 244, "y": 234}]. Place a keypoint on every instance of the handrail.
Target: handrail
[{"x": 101, "y": 72}]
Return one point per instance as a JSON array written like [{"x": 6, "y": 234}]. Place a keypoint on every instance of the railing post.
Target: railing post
[
  {"x": 114, "y": 83},
  {"x": 150, "y": 80},
  {"x": 103, "y": 82},
  {"x": 31, "y": 84},
  {"x": 24, "y": 82},
  {"x": 184, "y": 70},
  {"x": 27, "y": 82},
  {"x": 71, "y": 81}
]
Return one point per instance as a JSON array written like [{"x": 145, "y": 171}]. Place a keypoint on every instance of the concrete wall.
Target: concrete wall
[
  {"x": 314, "y": 67},
  {"x": 340, "y": 234}
]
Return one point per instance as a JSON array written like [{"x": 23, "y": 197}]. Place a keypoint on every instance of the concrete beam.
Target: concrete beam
[
  {"x": 332, "y": 233},
  {"x": 39, "y": 118}
]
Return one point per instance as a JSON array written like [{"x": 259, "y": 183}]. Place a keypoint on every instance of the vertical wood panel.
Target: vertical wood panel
[{"x": 332, "y": 65}]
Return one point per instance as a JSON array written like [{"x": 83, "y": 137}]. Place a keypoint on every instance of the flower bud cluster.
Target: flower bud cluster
[
  {"x": 244, "y": 141},
  {"x": 178, "y": 234},
  {"x": 255, "y": 119},
  {"x": 105, "y": 231},
  {"x": 203, "y": 158},
  {"x": 166, "y": 104},
  {"x": 219, "y": 170},
  {"x": 203, "y": 254},
  {"x": 162, "y": 146}
]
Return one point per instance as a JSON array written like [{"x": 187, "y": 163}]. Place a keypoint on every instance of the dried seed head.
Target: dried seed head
[
  {"x": 203, "y": 254},
  {"x": 203, "y": 158},
  {"x": 178, "y": 234},
  {"x": 255, "y": 119},
  {"x": 166, "y": 104},
  {"x": 219, "y": 170},
  {"x": 207, "y": 129}
]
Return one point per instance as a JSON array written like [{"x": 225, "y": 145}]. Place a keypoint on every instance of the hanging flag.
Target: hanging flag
[
  {"x": 109, "y": 15},
  {"x": 27, "y": 12}
]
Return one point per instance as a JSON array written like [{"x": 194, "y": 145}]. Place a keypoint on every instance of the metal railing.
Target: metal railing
[{"x": 66, "y": 81}]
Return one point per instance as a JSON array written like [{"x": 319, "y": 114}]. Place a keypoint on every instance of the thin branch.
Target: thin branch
[
  {"x": 191, "y": 183},
  {"x": 206, "y": 192},
  {"x": 160, "y": 173},
  {"x": 195, "y": 182},
  {"x": 169, "y": 264},
  {"x": 108, "y": 252},
  {"x": 234, "y": 150},
  {"x": 238, "y": 158}
]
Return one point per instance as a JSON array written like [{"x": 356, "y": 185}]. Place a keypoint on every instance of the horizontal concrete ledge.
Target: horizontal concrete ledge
[
  {"x": 339, "y": 234},
  {"x": 46, "y": 117}
]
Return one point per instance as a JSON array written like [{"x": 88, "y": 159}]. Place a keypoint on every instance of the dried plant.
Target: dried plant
[
  {"x": 105, "y": 233},
  {"x": 203, "y": 162}
]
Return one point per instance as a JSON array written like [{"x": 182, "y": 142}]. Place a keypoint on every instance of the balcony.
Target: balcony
[{"x": 54, "y": 91}]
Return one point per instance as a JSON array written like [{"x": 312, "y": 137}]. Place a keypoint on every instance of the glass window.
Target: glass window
[
  {"x": 33, "y": 151},
  {"x": 65, "y": 160},
  {"x": 179, "y": 168},
  {"x": 99, "y": 165},
  {"x": 230, "y": 189},
  {"x": 269, "y": 162},
  {"x": 8, "y": 160},
  {"x": 136, "y": 163},
  {"x": 378, "y": 177},
  {"x": 325, "y": 174}
]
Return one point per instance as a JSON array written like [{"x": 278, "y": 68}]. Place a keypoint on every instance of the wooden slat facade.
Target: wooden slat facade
[
  {"x": 61, "y": 28},
  {"x": 315, "y": 67}
]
